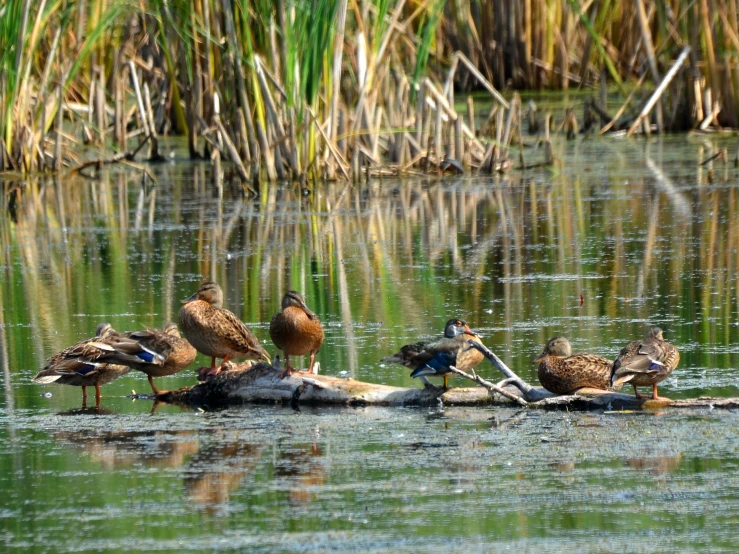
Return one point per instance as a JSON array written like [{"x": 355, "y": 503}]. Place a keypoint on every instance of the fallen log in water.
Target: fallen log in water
[{"x": 241, "y": 384}]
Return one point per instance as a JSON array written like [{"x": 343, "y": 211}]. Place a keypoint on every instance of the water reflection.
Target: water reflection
[
  {"x": 656, "y": 465},
  {"x": 641, "y": 231},
  {"x": 219, "y": 468},
  {"x": 589, "y": 254},
  {"x": 300, "y": 468},
  {"x": 121, "y": 449}
]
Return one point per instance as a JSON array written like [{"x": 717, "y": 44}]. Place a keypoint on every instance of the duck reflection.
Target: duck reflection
[
  {"x": 122, "y": 449},
  {"x": 656, "y": 465},
  {"x": 303, "y": 469},
  {"x": 219, "y": 468}
]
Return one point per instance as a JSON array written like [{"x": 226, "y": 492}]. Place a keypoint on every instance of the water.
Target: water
[{"x": 639, "y": 229}]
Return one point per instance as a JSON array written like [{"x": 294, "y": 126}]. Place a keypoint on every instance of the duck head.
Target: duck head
[
  {"x": 171, "y": 329},
  {"x": 104, "y": 329},
  {"x": 208, "y": 292},
  {"x": 558, "y": 347},
  {"x": 456, "y": 327},
  {"x": 294, "y": 298}
]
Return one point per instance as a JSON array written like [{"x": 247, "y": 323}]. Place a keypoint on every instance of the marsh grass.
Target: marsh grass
[{"x": 305, "y": 90}]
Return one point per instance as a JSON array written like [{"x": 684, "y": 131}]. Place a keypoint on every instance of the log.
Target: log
[
  {"x": 245, "y": 384},
  {"x": 242, "y": 384}
]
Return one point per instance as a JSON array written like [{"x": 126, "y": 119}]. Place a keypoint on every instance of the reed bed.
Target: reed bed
[{"x": 300, "y": 91}]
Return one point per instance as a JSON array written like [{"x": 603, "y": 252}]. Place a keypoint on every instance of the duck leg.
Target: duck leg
[
  {"x": 97, "y": 395},
  {"x": 655, "y": 396},
  {"x": 312, "y": 361},
  {"x": 446, "y": 381},
  {"x": 84, "y": 397},
  {"x": 288, "y": 370},
  {"x": 216, "y": 370},
  {"x": 153, "y": 386},
  {"x": 636, "y": 392}
]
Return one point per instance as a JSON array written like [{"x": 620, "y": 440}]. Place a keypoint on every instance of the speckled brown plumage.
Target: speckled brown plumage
[
  {"x": 216, "y": 332},
  {"x": 80, "y": 365},
  {"x": 645, "y": 363},
  {"x": 435, "y": 357},
  {"x": 561, "y": 372},
  {"x": 296, "y": 330},
  {"x": 155, "y": 352}
]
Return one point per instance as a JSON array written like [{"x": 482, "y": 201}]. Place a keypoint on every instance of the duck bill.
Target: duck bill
[
  {"x": 469, "y": 331},
  {"x": 540, "y": 359},
  {"x": 190, "y": 298},
  {"x": 309, "y": 313}
]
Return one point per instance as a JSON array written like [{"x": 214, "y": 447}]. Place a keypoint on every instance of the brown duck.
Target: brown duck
[
  {"x": 296, "y": 330},
  {"x": 155, "y": 352},
  {"x": 562, "y": 372},
  {"x": 80, "y": 365},
  {"x": 645, "y": 363},
  {"x": 436, "y": 357},
  {"x": 216, "y": 332}
]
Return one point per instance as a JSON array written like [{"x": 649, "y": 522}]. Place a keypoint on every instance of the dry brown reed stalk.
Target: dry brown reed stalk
[{"x": 369, "y": 102}]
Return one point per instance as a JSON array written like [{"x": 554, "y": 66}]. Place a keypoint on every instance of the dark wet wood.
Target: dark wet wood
[{"x": 240, "y": 384}]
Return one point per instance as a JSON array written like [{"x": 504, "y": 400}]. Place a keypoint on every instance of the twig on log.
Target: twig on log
[
  {"x": 529, "y": 393},
  {"x": 490, "y": 386}
]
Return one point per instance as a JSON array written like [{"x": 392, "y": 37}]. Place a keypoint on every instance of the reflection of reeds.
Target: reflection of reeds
[{"x": 401, "y": 254}]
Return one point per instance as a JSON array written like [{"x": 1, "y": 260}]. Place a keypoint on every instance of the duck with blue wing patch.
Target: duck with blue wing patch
[
  {"x": 645, "y": 363},
  {"x": 82, "y": 364},
  {"x": 155, "y": 352},
  {"x": 435, "y": 358}
]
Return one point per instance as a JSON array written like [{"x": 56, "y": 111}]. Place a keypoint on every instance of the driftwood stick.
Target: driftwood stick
[
  {"x": 530, "y": 393},
  {"x": 660, "y": 89},
  {"x": 490, "y": 386}
]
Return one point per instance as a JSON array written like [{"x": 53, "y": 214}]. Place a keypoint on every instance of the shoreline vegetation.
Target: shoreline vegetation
[{"x": 299, "y": 91}]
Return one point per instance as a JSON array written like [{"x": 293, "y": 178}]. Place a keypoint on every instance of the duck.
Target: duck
[
  {"x": 155, "y": 352},
  {"x": 562, "y": 372},
  {"x": 80, "y": 365},
  {"x": 437, "y": 356},
  {"x": 216, "y": 332},
  {"x": 645, "y": 363},
  {"x": 296, "y": 330}
]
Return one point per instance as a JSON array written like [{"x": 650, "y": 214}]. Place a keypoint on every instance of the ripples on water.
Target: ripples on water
[{"x": 638, "y": 229}]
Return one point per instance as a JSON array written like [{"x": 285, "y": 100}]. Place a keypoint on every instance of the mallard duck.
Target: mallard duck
[
  {"x": 436, "y": 357},
  {"x": 645, "y": 363},
  {"x": 561, "y": 372},
  {"x": 80, "y": 365},
  {"x": 155, "y": 352},
  {"x": 217, "y": 332},
  {"x": 296, "y": 330}
]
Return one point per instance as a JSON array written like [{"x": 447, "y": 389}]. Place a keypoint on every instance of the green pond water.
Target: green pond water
[{"x": 624, "y": 234}]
